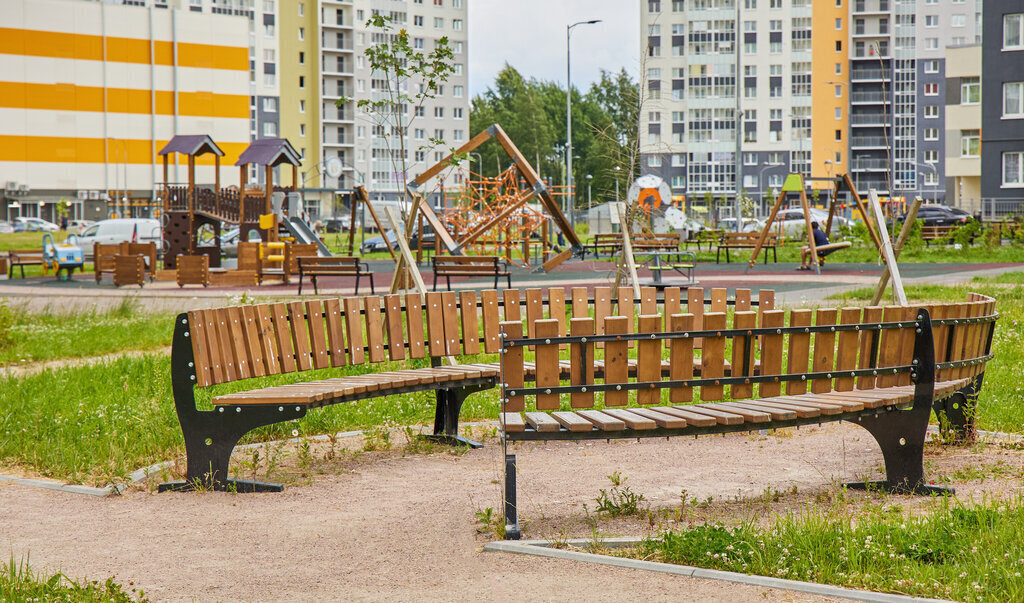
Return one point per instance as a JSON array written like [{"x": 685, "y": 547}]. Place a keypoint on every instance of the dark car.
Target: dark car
[
  {"x": 336, "y": 225},
  {"x": 940, "y": 215}
]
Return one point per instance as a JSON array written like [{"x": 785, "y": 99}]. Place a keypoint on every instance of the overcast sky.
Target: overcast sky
[{"x": 530, "y": 36}]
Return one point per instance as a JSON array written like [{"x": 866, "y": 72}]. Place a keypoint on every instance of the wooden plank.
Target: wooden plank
[
  {"x": 749, "y": 416},
  {"x": 237, "y": 336},
  {"x": 648, "y": 300},
  {"x": 534, "y": 310},
  {"x": 450, "y": 312},
  {"x": 680, "y": 358},
  {"x": 672, "y": 304},
  {"x": 631, "y": 419},
  {"x": 542, "y": 421},
  {"x": 771, "y": 352},
  {"x": 602, "y": 307},
  {"x": 212, "y": 340},
  {"x": 648, "y": 358},
  {"x": 765, "y": 300},
  {"x": 742, "y": 300},
  {"x": 283, "y": 337},
  {"x": 374, "y": 329},
  {"x": 300, "y": 335},
  {"x": 971, "y": 338},
  {"x": 692, "y": 419},
  {"x": 906, "y": 339},
  {"x": 511, "y": 422},
  {"x": 317, "y": 337},
  {"x": 616, "y": 368},
  {"x": 743, "y": 367},
  {"x": 435, "y": 326},
  {"x": 803, "y": 410},
  {"x": 824, "y": 349},
  {"x": 265, "y": 328},
  {"x": 581, "y": 357},
  {"x": 580, "y": 305},
  {"x": 254, "y": 351},
  {"x": 490, "y": 318},
  {"x": 200, "y": 348},
  {"x": 872, "y": 314},
  {"x": 414, "y": 325},
  {"x": 799, "y": 351},
  {"x": 774, "y": 413},
  {"x": 470, "y": 329},
  {"x": 603, "y": 421},
  {"x": 393, "y": 321},
  {"x": 720, "y": 417},
  {"x": 940, "y": 337},
  {"x": 712, "y": 363},
  {"x": 354, "y": 330},
  {"x": 572, "y": 421},
  {"x": 335, "y": 332},
  {"x": 846, "y": 357},
  {"x": 719, "y": 299},
  {"x": 512, "y": 369},
  {"x": 547, "y": 363},
  {"x": 889, "y": 348},
  {"x": 510, "y": 298},
  {"x": 663, "y": 420},
  {"x": 626, "y": 308},
  {"x": 695, "y": 306},
  {"x": 828, "y": 406},
  {"x": 221, "y": 321},
  {"x": 556, "y": 308}
]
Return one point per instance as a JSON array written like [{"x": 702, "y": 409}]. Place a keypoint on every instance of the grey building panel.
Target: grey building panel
[
  {"x": 938, "y": 190},
  {"x": 998, "y": 66}
]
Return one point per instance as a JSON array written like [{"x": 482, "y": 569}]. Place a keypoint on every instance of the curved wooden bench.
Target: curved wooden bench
[{"x": 885, "y": 369}]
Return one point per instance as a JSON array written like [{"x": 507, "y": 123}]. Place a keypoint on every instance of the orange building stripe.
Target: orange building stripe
[
  {"x": 69, "y": 97},
  {"x": 53, "y": 149},
  {"x": 62, "y": 45}
]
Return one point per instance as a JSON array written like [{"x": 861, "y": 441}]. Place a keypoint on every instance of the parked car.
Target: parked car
[
  {"x": 793, "y": 223},
  {"x": 939, "y": 215},
  {"x": 37, "y": 224},
  {"x": 120, "y": 230},
  {"x": 339, "y": 224},
  {"x": 79, "y": 226},
  {"x": 6, "y": 227},
  {"x": 377, "y": 243},
  {"x": 749, "y": 225}
]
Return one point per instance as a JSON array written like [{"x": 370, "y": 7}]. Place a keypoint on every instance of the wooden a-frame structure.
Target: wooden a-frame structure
[
  {"x": 795, "y": 184},
  {"x": 539, "y": 190}
]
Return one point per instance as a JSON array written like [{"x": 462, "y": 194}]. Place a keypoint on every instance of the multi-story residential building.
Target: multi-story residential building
[
  {"x": 1002, "y": 108},
  {"x": 963, "y": 119},
  {"x": 92, "y": 90},
  {"x": 323, "y": 44},
  {"x": 875, "y": 70}
]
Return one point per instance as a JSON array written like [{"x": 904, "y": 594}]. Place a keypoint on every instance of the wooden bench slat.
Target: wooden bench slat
[
  {"x": 393, "y": 320},
  {"x": 435, "y": 325},
  {"x": 282, "y": 337},
  {"x": 743, "y": 302},
  {"x": 799, "y": 351},
  {"x": 217, "y": 369},
  {"x": 511, "y": 422},
  {"x": 663, "y": 420},
  {"x": 354, "y": 330},
  {"x": 805, "y": 407},
  {"x": 374, "y": 330},
  {"x": 414, "y": 325},
  {"x": 514, "y": 372},
  {"x": 257, "y": 365},
  {"x": 725, "y": 418},
  {"x": 556, "y": 308},
  {"x": 572, "y": 421},
  {"x": 749, "y": 416},
  {"x": 631, "y": 419},
  {"x": 547, "y": 364},
  {"x": 602, "y": 421},
  {"x": 712, "y": 363},
  {"x": 743, "y": 319},
  {"x": 771, "y": 352},
  {"x": 265, "y": 327},
  {"x": 580, "y": 302},
  {"x": 541, "y": 421},
  {"x": 681, "y": 358},
  {"x": 649, "y": 359},
  {"x": 691, "y": 418},
  {"x": 824, "y": 349},
  {"x": 832, "y": 406},
  {"x": 626, "y": 308},
  {"x": 237, "y": 337},
  {"x": 510, "y": 301},
  {"x": 335, "y": 332},
  {"x": 470, "y": 330},
  {"x": 581, "y": 371},
  {"x": 200, "y": 349},
  {"x": 602, "y": 307},
  {"x": 616, "y": 369},
  {"x": 490, "y": 318},
  {"x": 317, "y": 336},
  {"x": 222, "y": 321},
  {"x": 846, "y": 356},
  {"x": 872, "y": 314},
  {"x": 774, "y": 413},
  {"x": 300, "y": 336},
  {"x": 889, "y": 348},
  {"x": 450, "y": 315}
]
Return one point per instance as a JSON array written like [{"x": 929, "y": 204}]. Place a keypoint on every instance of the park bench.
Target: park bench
[
  {"x": 23, "y": 257},
  {"x": 704, "y": 237},
  {"x": 448, "y": 266},
  {"x": 937, "y": 233},
  {"x": 314, "y": 266},
  {"x": 746, "y": 240},
  {"x": 885, "y": 369},
  {"x": 608, "y": 242},
  {"x": 655, "y": 241}
]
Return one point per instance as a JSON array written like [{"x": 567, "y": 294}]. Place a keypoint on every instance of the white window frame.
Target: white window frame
[
  {"x": 1019, "y": 17},
  {"x": 1020, "y": 170},
  {"x": 1019, "y": 113}
]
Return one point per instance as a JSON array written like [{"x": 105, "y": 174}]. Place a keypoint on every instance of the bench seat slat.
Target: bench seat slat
[
  {"x": 749, "y": 416},
  {"x": 602, "y": 421},
  {"x": 631, "y": 419},
  {"x": 692, "y": 418},
  {"x": 725, "y": 418},
  {"x": 773, "y": 413},
  {"x": 813, "y": 403},
  {"x": 541, "y": 421},
  {"x": 572, "y": 421},
  {"x": 511, "y": 422},
  {"x": 663, "y": 420}
]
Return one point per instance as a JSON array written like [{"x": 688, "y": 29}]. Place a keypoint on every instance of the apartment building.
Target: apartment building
[
  {"x": 1002, "y": 105},
  {"x": 323, "y": 44},
  {"x": 963, "y": 118},
  {"x": 91, "y": 91},
  {"x": 819, "y": 88}
]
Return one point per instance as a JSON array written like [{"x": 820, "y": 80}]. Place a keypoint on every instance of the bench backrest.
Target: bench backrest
[
  {"x": 336, "y": 261},
  {"x": 844, "y": 349},
  {"x": 466, "y": 263},
  {"x": 746, "y": 238}
]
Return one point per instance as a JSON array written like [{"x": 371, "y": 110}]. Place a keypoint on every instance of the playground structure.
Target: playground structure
[{"x": 64, "y": 257}]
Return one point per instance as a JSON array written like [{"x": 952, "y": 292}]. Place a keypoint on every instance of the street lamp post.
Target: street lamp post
[
  {"x": 568, "y": 104},
  {"x": 760, "y": 177},
  {"x": 617, "y": 170},
  {"x": 590, "y": 178},
  {"x": 935, "y": 181}
]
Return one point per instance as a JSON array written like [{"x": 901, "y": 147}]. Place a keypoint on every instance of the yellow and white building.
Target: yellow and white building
[{"x": 89, "y": 91}]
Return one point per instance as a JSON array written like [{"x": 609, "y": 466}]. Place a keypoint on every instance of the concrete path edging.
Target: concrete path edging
[{"x": 542, "y": 548}]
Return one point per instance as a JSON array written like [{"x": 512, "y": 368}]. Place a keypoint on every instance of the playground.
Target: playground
[{"x": 159, "y": 384}]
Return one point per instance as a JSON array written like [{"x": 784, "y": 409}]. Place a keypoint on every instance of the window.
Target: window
[
  {"x": 458, "y": 48},
  {"x": 839, "y": 113},
  {"x": 268, "y": 6},
  {"x": 970, "y": 143},
  {"x": 931, "y": 66},
  {"x": 417, "y": 20},
  {"x": 1013, "y": 31},
  {"x": 654, "y": 161},
  {"x": 839, "y": 69},
  {"x": 750, "y": 159},
  {"x": 457, "y": 135},
  {"x": 931, "y": 133},
  {"x": 931, "y": 43},
  {"x": 268, "y": 55},
  {"x": 457, "y": 91},
  {"x": 958, "y": 21},
  {"x": 931, "y": 156},
  {"x": 302, "y": 106},
  {"x": 839, "y": 91},
  {"x": 839, "y": 23},
  {"x": 457, "y": 112},
  {"x": 457, "y": 24},
  {"x": 419, "y": 111},
  {"x": 302, "y": 9},
  {"x": 439, "y": 112},
  {"x": 678, "y": 181},
  {"x": 268, "y": 30},
  {"x": 270, "y": 105},
  {"x": 438, "y": 23},
  {"x": 839, "y": 45},
  {"x": 1013, "y": 100},
  {"x": 420, "y": 133},
  {"x": 931, "y": 111},
  {"x": 302, "y": 58},
  {"x": 839, "y": 135},
  {"x": 269, "y": 129},
  {"x": 302, "y": 33},
  {"x": 269, "y": 79},
  {"x": 931, "y": 20},
  {"x": 970, "y": 91},
  {"x": 302, "y": 81},
  {"x": 1013, "y": 168},
  {"x": 439, "y": 133},
  {"x": 302, "y": 129},
  {"x": 931, "y": 89}
]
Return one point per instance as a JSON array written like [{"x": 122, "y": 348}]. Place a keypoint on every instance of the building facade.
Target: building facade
[
  {"x": 963, "y": 159},
  {"x": 323, "y": 45},
  {"x": 1002, "y": 105},
  {"x": 92, "y": 90}
]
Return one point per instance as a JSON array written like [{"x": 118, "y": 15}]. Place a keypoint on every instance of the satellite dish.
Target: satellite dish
[{"x": 333, "y": 167}]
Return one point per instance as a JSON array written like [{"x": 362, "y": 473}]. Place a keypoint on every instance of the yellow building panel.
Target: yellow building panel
[
  {"x": 68, "y": 97},
  {"x": 63, "y": 45},
  {"x": 825, "y": 102},
  {"x": 90, "y": 150}
]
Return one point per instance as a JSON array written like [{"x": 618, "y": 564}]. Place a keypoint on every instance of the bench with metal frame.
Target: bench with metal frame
[
  {"x": 314, "y": 266},
  {"x": 746, "y": 240},
  {"x": 23, "y": 257},
  {"x": 448, "y": 266},
  {"x": 885, "y": 369}
]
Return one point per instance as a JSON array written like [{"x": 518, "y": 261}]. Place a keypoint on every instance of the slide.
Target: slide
[{"x": 298, "y": 229}]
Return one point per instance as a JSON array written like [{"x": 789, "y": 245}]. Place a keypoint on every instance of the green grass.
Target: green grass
[
  {"x": 962, "y": 551},
  {"x": 18, "y": 582},
  {"x": 49, "y": 335},
  {"x": 1006, "y": 278}
]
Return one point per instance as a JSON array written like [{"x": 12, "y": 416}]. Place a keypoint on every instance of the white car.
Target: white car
[
  {"x": 37, "y": 225},
  {"x": 79, "y": 226},
  {"x": 793, "y": 223},
  {"x": 121, "y": 230}
]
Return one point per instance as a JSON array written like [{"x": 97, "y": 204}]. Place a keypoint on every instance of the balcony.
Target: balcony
[
  {"x": 870, "y": 120},
  {"x": 869, "y": 75},
  {"x": 869, "y": 98},
  {"x": 868, "y": 142},
  {"x": 870, "y": 165}
]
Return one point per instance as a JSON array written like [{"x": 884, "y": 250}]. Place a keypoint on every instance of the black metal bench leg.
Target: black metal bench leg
[
  {"x": 512, "y": 531},
  {"x": 446, "y": 416}
]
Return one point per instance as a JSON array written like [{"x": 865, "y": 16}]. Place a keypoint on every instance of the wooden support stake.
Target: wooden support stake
[
  {"x": 890, "y": 259},
  {"x": 908, "y": 224},
  {"x": 403, "y": 247},
  {"x": 627, "y": 250}
]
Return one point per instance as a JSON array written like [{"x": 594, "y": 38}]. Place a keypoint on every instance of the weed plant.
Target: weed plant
[
  {"x": 18, "y": 582},
  {"x": 963, "y": 551}
]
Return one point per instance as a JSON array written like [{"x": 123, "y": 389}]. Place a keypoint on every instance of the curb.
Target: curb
[{"x": 542, "y": 548}]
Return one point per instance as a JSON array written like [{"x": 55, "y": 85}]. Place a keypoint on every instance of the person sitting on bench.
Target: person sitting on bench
[{"x": 820, "y": 240}]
